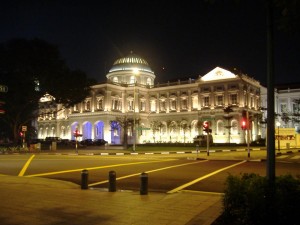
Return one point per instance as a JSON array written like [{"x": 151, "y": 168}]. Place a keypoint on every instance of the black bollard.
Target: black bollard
[
  {"x": 144, "y": 184},
  {"x": 112, "y": 181},
  {"x": 84, "y": 179}
]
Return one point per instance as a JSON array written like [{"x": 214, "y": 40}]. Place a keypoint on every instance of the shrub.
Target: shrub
[{"x": 250, "y": 199}]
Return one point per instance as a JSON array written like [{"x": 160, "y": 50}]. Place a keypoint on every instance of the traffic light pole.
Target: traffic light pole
[
  {"x": 248, "y": 133},
  {"x": 207, "y": 140}
]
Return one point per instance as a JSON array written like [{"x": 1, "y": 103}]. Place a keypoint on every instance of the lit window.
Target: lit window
[
  {"x": 162, "y": 106},
  {"x": 130, "y": 105},
  {"x": 184, "y": 103},
  {"x": 115, "y": 79},
  {"x": 88, "y": 105},
  {"x": 206, "y": 101},
  {"x": 283, "y": 107},
  {"x": 132, "y": 80},
  {"x": 148, "y": 81},
  {"x": 153, "y": 106},
  {"x": 233, "y": 99},
  {"x": 173, "y": 104},
  {"x": 100, "y": 104},
  {"x": 219, "y": 100},
  {"x": 195, "y": 102},
  {"x": 143, "y": 105}
]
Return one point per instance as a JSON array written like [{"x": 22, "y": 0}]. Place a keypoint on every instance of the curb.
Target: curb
[{"x": 150, "y": 153}]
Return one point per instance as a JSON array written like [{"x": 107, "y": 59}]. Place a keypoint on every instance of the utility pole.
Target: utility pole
[{"x": 270, "y": 96}]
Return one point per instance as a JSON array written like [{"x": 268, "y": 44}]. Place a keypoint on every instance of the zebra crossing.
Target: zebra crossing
[{"x": 295, "y": 157}]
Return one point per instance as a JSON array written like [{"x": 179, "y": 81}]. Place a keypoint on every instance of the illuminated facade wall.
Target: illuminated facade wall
[
  {"x": 286, "y": 103},
  {"x": 171, "y": 112}
]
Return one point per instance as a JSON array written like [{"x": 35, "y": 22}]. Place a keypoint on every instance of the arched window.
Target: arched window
[
  {"x": 115, "y": 80},
  {"x": 220, "y": 127},
  {"x": 234, "y": 127}
]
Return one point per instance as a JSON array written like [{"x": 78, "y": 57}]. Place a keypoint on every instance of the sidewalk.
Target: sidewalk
[{"x": 42, "y": 201}]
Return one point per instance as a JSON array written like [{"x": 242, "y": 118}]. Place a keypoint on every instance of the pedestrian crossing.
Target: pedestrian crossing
[{"x": 296, "y": 157}]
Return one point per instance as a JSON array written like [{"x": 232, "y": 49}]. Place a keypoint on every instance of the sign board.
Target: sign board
[
  {"x": 3, "y": 88},
  {"x": 24, "y": 128},
  {"x": 143, "y": 128},
  {"x": 206, "y": 119}
]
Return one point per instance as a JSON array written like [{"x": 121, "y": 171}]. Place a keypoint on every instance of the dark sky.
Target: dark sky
[{"x": 179, "y": 39}]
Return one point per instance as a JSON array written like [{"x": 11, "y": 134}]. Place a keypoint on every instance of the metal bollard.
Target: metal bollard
[
  {"x": 144, "y": 184},
  {"x": 84, "y": 179},
  {"x": 112, "y": 181}
]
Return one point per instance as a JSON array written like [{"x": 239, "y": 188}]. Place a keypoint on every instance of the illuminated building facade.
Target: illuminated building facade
[
  {"x": 287, "y": 107},
  {"x": 166, "y": 113}
]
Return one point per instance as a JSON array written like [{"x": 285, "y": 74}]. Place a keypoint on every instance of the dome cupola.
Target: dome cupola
[{"x": 131, "y": 69}]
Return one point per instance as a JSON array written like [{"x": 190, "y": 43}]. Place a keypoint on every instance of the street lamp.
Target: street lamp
[
  {"x": 278, "y": 139},
  {"x": 135, "y": 72}
]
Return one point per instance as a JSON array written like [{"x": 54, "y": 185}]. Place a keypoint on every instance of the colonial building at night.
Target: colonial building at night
[{"x": 167, "y": 113}]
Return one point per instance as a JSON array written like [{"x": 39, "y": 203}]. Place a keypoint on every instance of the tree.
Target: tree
[
  {"x": 228, "y": 117},
  {"x": 124, "y": 122},
  {"x": 185, "y": 128},
  {"x": 155, "y": 125},
  {"x": 285, "y": 118},
  {"x": 296, "y": 112},
  {"x": 30, "y": 69}
]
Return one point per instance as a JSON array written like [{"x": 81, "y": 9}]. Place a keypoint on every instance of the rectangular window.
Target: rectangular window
[
  {"x": 162, "y": 106},
  {"x": 283, "y": 108},
  {"x": 195, "y": 102},
  {"x": 143, "y": 106},
  {"x": 295, "y": 108},
  {"x": 76, "y": 107},
  {"x": 173, "y": 104},
  {"x": 152, "y": 106},
  {"x": 100, "y": 104},
  {"x": 206, "y": 101},
  {"x": 219, "y": 100},
  {"x": 88, "y": 106},
  {"x": 251, "y": 102},
  {"x": 130, "y": 105},
  {"x": 112, "y": 104},
  {"x": 184, "y": 104},
  {"x": 233, "y": 99}
]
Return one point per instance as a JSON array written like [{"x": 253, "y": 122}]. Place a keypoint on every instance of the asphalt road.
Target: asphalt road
[{"x": 168, "y": 173}]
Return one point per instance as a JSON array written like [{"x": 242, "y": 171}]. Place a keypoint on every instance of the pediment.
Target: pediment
[{"x": 218, "y": 74}]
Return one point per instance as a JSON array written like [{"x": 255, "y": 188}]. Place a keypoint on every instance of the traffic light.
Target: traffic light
[
  {"x": 244, "y": 120},
  {"x": 206, "y": 127},
  {"x": 2, "y": 110},
  {"x": 77, "y": 134},
  {"x": 244, "y": 124}
]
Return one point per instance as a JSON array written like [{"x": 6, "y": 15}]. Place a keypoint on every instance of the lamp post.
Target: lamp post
[
  {"x": 278, "y": 139},
  {"x": 135, "y": 72}
]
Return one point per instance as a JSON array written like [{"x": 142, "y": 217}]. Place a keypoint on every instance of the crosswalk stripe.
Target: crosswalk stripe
[{"x": 282, "y": 156}]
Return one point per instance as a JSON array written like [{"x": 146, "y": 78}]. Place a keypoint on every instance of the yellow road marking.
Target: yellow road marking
[
  {"x": 98, "y": 167},
  {"x": 203, "y": 192},
  {"x": 26, "y": 166},
  {"x": 204, "y": 177},
  {"x": 150, "y": 171}
]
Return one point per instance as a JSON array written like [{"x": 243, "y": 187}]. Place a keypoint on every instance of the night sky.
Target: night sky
[{"x": 179, "y": 39}]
